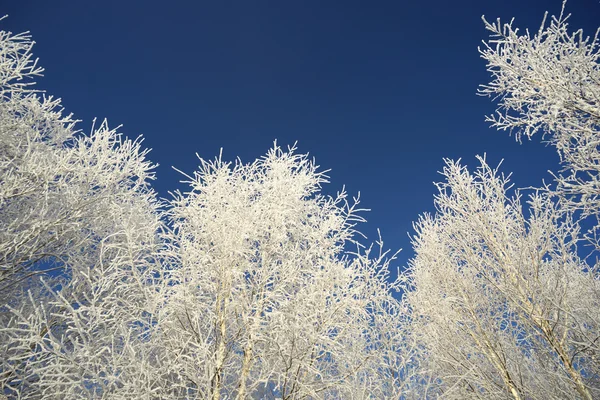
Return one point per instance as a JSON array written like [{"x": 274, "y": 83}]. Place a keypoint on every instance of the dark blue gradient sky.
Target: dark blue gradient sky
[{"x": 378, "y": 91}]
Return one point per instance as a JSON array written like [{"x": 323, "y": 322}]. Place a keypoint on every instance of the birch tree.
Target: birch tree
[
  {"x": 502, "y": 305},
  {"x": 61, "y": 192},
  {"x": 245, "y": 288},
  {"x": 548, "y": 84},
  {"x": 78, "y": 226},
  {"x": 264, "y": 302}
]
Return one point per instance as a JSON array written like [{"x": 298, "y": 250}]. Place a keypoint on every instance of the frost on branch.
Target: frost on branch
[
  {"x": 549, "y": 82},
  {"x": 264, "y": 302},
  {"x": 78, "y": 232},
  {"x": 243, "y": 288},
  {"x": 502, "y": 306},
  {"x": 60, "y": 191},
  {"x": 16, "y": 63}
]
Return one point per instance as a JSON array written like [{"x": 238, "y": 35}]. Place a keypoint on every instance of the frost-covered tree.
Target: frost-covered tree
[
  {"x": 252, "y": 295},
  {"x": 61, "y": 192},
  {"x": 243, "y": 288},
  {"x": 549, "y": 82},
  {"x": 264, "y": 303},
  {"x": 502, "y": 305},
  {"x": 88, "y": 337},
  {"x": 78, "y": 225}
]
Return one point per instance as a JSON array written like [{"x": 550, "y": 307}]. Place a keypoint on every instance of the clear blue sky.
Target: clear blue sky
[{"x": 377, "y": 91}]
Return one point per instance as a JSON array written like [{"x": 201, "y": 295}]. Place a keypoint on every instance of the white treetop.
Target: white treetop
[
  {"x": 243, "y": 288},
  {"x": 61, "y": 192},
  {"x": 501, "y": 303},
  {"x": 263, "y": 302},
  {"x": 78, "y": 221},
  {"x": 253, "y": 283},
  {"x": 550, "y": 83}
]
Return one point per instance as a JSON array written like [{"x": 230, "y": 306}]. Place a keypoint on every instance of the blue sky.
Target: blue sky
[{"x": 378, "y": 91}]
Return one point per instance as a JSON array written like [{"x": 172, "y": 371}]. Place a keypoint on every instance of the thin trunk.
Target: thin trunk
[
  {"x": 217, "y": 381},
  {"x": 247, "y": 363},
  {"x": 488, "y": 349},
  {"x": 564, "y": 357},
  {"x": 500, "y": 366},
  {"x": 249, "y": 349}
]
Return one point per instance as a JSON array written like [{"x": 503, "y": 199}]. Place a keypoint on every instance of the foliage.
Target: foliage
[
  {"x": 550, "y": 83},
  {"x": 502, "y": 306},
  {"x": 245, "y": 286},
  {"x": 263, "y": 303},
  {"x": 242, "y": 287},
  {"x": 78, "y": 219}
]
